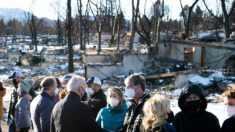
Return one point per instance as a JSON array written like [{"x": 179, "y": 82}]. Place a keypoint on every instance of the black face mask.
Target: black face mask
[
  {"x": 193, "y": 106},
  {"x": 15, "y": 83}
]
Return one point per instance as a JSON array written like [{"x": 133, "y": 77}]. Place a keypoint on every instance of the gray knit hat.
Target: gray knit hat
[{"x": 26, "y": 85}]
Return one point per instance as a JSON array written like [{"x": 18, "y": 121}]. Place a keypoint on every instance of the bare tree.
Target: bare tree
[
  {"x": 187, "y": 19},
  {"x": 226, "y": 15},
  {"x": 216, "y": 20},
  {"x": 159, "y": 10},
  {"x": 81, "y": 24},
  {"x": 134, "y": 21},
  {"x": 33, "y": 24},
  {"x": 99, "y": 20},
  {"x": 69, "y": 25}
]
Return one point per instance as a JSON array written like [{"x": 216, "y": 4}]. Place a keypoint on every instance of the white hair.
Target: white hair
[{"x": 75, "y": 82}]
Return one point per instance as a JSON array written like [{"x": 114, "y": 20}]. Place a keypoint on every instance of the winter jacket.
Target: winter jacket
[
  {"x": 134, "y": 116},
  {"x": 41, "y": 108},
  {"x": 22, "y": 112},
  {"x": 2, "y": 94},
  {"x": 201, "y": 121},
  {"x": 111, "y": 119},
  {"x": 71, "y": 115},
  {"x": 97, "y": 101},
  {"x": 13, "y": 102},
  {"x": 228, "y": 125}
]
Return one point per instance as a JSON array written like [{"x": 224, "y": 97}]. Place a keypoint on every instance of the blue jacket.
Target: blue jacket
[
  {"x": 40, "y": 109},
  {"x": 111, "y": 119}
]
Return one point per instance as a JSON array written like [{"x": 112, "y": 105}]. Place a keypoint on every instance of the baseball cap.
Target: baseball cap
[
  {"x": 94, "y": 80},
  {"x": 16, "y": 74}
]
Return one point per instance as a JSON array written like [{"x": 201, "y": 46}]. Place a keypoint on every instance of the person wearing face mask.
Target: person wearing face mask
[
  {"x": 22, "y": 109},
  {"x": 97, "y": 96},
  {"x": 229, "y": 101},
  {"x": 70, "y": 114},
  {"x": 156, "y": 111},
  {"x": 112, "y": 116},
  {"x": 193, "y": 116},
  {"x": 42, "y": 105},
  {"x": 135, "y": 91}
]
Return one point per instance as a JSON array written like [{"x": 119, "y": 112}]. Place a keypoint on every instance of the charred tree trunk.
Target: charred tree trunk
[
  {"x": 69, "y": 35},
  {"x": 226, "y": 27}
]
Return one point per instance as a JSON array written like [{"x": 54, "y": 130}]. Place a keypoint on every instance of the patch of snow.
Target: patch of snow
[
  {"x": 79, "y": 72},
  {"x": 177, "y": 65},
  {"x": 177, "y": 91},
  {"x": 201, "y": 80},
  {"x": 3, "y": 77}
]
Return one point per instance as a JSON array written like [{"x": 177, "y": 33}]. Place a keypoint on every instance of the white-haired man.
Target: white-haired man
[{"x": 70, "y": 114}]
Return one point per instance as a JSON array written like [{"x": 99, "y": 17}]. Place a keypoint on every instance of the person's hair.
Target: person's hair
[
  {"x": 47, "y": 82},
  {"x": 155, "y": 110},
  {"x": 62, "y": 94},
  {"x": 75, "y": 82},
  {"x": 58, "y": 82},
  {"x": 136, "y": 79},
  {"x": 229, "y": 93},
  {"x": 120, "y": 95}
]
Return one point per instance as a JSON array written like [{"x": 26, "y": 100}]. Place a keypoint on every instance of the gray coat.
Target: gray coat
[
  {"x": 41, "y": 109},
  {"x": 22, "y": 113}
]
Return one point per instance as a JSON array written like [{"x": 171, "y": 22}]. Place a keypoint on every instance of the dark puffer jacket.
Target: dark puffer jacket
[
  {"x": 97, "y": 101},
  {"x": 134, "y": 116},
  {"x": 201, "y": 121}
]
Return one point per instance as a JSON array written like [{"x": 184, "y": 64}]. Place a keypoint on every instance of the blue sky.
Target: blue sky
[{"x": 47, "y": 8}]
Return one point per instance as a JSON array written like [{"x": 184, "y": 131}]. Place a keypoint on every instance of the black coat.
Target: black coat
[
  {"x": 97, "y": 102},
  {"x": 13, "y": 102},
  {"x": 134, "y": 115},
  {"x": 71, "y": 115},
  {"x": 200, "y": 121},
  {"x": 228, "y": 125}
]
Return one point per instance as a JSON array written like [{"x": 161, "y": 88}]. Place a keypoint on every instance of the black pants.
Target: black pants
[{"x": 24, "y": 129}]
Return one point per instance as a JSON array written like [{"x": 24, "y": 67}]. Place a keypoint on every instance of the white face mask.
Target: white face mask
[
  {"x": 114, "y": 102},
  {"x": 19, "y": 91},
  {"x": 90, "y": 91},
  {"x": 57, "y": 91},
  {"x": 230, "y": 111},
  {"x": 130, "y": 93}
]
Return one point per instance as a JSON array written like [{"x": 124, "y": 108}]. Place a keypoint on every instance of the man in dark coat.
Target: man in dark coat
[
  {"x": 194, "y": 117},
  {"x": 135, "y": 87},
  {"x": 42, "y": 105},
  {"x": 17, "y": 78},
  {"x": 97, "y": 96},
  {"x": 72, "y": 115},
  {"x": 229, "y": 101}
]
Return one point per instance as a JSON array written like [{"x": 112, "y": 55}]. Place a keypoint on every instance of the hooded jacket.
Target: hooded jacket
[
  {"x": 134, "y": 115},
  {"x": 111, "y": 119},
  {"x": 200, "y": 121}
]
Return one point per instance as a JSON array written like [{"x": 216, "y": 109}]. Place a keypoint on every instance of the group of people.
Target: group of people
[{"x": 78, "y": 105}]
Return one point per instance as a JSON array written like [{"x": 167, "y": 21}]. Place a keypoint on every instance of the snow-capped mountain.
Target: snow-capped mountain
[{"x": 12, "y": 13}]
